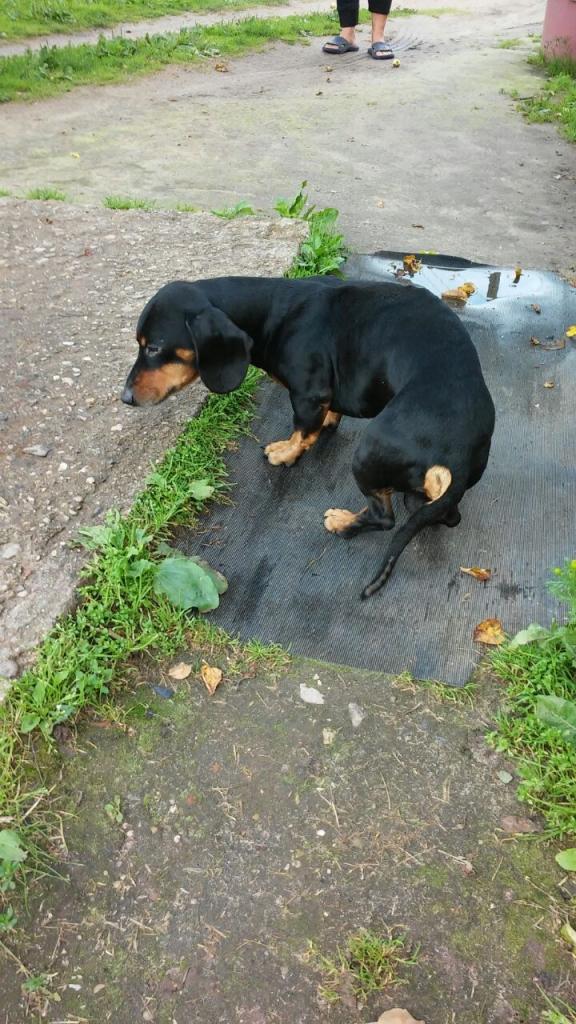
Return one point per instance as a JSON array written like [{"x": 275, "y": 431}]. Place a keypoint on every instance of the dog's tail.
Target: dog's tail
[{"x": 444, "y": 491}]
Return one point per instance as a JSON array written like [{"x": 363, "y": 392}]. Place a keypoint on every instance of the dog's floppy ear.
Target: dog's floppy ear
[{"x": 222, "y": 350}]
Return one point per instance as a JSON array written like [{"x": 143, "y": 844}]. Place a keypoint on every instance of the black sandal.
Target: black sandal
[
  {"x": 342, "y": 46},
  {"x": 381, "y": 51}
]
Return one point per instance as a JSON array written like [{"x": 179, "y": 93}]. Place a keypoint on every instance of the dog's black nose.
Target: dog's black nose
[{"x": 127, "y": 396}]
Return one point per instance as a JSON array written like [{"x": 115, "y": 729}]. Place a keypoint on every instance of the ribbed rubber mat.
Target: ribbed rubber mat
[{"x": 295, "y": 584}]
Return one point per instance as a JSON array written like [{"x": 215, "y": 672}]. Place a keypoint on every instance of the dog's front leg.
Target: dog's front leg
[{"x": 309, "y": 418}]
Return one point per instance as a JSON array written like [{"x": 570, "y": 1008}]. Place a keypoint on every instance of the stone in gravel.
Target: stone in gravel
[
  {"x": 8, "y": 551},
  {"x": 41, "y": 450}
]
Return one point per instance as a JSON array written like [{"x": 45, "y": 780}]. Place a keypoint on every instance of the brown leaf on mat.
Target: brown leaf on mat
[
  {"x": 489, "y": 632},
  {"x": 479, "y": 574},
  {"x": 551, "y": 346},
  {"x": 549, "y": 384},
  {"x": 397, "y": 1016},
  {"x": 412, "y": 264},
  {"x": 461, "y": 294},
  {"x": 180, "y": 671},
  {"x": 534, "y": 341},
  {"x": 511, "y": 823},
  {"x": 211, "y": 677},
  {"x": 221, "y": 66},
  {"x": 536, "y": 307}
]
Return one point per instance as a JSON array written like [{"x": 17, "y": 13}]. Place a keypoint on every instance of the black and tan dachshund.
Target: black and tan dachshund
[{"x": 394, "y": 355}]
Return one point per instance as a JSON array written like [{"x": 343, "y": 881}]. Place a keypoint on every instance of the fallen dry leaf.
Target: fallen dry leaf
[
  {"x": 412, "y": 264},
  {"x": 180, "y": 671},
  {"x": 418, "y": 226},
  {"x": 461, "y": 294},
  {"x": 555, "y": 343},
  {"x": 549, "y": 384},
  {"x": 511, "y": 823},
  {"x": 396, "y": 63},
  {"x": 517, "y": 275},
  {"x": 397, "y": 1016},
  {"x": 479, "y": 574},
  {"x": 489, "y": 631},
  {"x": 534, "y": 341},
  {"x": 536, "y": 307},
  {"x": 221, "y": 66},
  {"x": 211, "y": 677},
  {"x": 571, "y": 331},
  {"x": 380, "y": 203}
]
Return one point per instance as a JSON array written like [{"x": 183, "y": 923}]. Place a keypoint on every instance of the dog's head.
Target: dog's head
[{"x": 182, "y": 337}]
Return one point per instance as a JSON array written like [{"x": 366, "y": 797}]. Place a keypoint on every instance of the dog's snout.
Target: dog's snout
[{"x": 127, "y": 396}]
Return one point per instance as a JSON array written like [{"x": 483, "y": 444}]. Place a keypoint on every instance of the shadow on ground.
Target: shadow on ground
[{"x": 253, "y": 822}]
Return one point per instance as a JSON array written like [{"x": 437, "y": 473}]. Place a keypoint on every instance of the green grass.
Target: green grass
[
  {"x": 187, "y": 208},
  {"x": 83, "y": 661},
  {"x": 53, "y": 70},
  {"x": 21, "y": 19},
  {"x": 546, "y": 762},
  {"x": 509, "y": 44},
  {"x": 46, "y": 193},
  {"x": 4, "y": 192},
  {"x": 556, "y": 101},
  {"x": 369, "y": 963},
  {"x": 125, "y": 203}
]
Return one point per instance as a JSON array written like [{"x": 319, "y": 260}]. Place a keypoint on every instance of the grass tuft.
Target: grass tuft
[
  {"x": 47, "y": 193},
  {"x": 546, "y": 759},
  {"x": 556, "y": 101},
  {"x": 369, "y": 963},
  {"x": 125, "y": 203}
]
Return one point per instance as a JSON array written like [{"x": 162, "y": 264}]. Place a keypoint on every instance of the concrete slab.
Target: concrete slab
[{"x": 73, "y": 281}]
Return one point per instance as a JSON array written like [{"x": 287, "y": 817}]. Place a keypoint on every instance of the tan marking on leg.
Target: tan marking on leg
[
  {"x": 332, "y": 419},
  {"x": 338, "y": 519},
  {"x": 436, "y": 482},
  {"x": 385, "y": 496},
  {"x": 285, "y": 453},
  {"x": 153, "y": 386}
]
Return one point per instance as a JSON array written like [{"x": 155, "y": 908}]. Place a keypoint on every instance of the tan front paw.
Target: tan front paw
[
  {"x": 338, "y": 519},
  {"x": 281, "y": 453}
]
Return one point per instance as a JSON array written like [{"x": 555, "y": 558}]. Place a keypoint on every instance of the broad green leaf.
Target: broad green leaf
[
  {"x": 10, "y": 848},
  {"x": 558, "y": 713},
  {"x": 94, "y": 537},
  {"x": 28, "y": 722},
  {"x": 567, "y": 859},
  {"x": 532, "y": 633},
  {"x": 201, "y": 489},
  {"x": 139, "y": 567},
  {"x": 186, "y": 584},
  {"x": 219, "y": 581}
]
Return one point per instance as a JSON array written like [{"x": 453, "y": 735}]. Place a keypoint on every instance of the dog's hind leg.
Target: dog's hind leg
[{"x": 377, "y": 515}]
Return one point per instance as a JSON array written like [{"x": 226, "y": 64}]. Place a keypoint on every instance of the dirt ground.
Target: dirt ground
[
  {"x": 73, "y": 283},
  {"x": 254, "y": 823}
]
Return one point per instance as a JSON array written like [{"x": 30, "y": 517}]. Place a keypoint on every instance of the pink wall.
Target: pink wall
[{"x": 559, "y": 32}]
